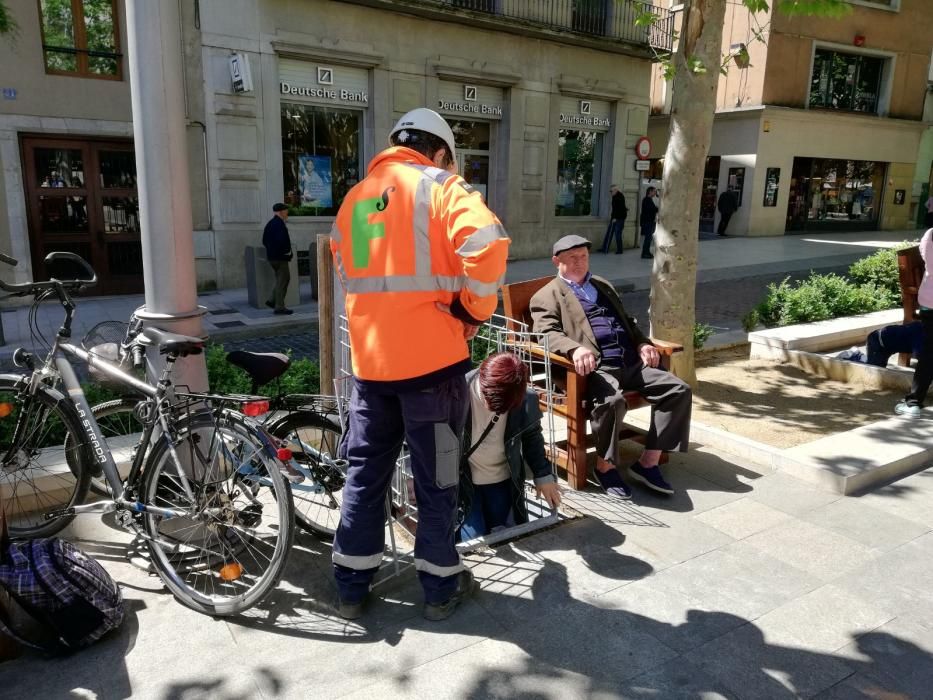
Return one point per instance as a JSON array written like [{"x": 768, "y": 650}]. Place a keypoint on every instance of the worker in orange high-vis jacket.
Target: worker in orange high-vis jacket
[{"x": 421, "y": 259}]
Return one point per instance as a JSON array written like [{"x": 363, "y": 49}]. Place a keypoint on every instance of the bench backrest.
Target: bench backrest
[
  {"x": 910, "y": 269},
  {"x": 516, "y": 299}
]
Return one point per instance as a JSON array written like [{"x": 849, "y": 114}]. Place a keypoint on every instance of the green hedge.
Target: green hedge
[
  {"x": 872, "y": 284},
  {"x": 303, "y": 377},
  {"x": 817, "y": 298}
]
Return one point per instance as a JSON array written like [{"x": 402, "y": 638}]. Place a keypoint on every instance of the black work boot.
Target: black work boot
[{"x": 436, "y": 612}]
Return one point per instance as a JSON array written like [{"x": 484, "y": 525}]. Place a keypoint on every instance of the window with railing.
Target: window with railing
[
  {"x": 616, "y": 20},
  {"x": 80, "y": 37},
  {"x": 846, "y": 81}
]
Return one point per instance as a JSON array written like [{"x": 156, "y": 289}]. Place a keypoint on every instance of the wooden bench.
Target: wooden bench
[
  {"x": 910, "y": 270},
  {"x": 571, "y": 453}
]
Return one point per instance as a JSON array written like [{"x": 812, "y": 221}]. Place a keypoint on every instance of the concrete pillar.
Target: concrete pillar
[{"x": 157, "y": 89}]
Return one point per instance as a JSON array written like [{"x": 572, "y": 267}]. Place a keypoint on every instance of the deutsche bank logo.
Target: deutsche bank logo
[
  {"x": 584, "y": 106},
  {"x": 469, "y": 93},
  {"x": 325, "y": 76}
]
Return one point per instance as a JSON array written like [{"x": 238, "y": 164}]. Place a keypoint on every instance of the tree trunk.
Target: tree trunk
[{"x": 673, "y": 285}]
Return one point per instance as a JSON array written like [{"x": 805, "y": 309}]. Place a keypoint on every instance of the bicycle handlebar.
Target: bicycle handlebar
[
  {"x": 60, "y": 286},
  {"x": 12, "y": 262}
]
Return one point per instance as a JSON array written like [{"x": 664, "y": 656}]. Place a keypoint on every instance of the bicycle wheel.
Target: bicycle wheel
[
  {"x": 121, "y": 427},
  {"x": 45, "y": 469},
  {"x": 229, "y": 549},
  {"x": 318, "y": 499}
]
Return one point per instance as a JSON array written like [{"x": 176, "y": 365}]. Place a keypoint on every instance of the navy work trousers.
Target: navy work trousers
[{"x": 430, "y": 421}]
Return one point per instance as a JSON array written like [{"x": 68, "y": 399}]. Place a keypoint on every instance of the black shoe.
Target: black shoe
[
  {"x": 350, "y": 611},
  {"x": 613, "y": 484},
  {"x": 618, "y": 252},
  {"x": 650, "y": 477},
  {"x": 270, "y": 304},
  {"x": 435, "y": 612},
  {"x": 283, "y": 312},
  {"x": 649, "y": 256}
]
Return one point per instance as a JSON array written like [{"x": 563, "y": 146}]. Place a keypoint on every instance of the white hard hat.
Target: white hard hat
[{"x": 424, "y": 119}]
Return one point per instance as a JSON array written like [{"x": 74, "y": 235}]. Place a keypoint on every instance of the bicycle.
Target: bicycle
[
  {"x": 205, "y": 488},
  {"x": 307, "y": 424}
]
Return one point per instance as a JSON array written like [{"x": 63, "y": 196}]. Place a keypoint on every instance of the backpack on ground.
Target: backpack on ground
[{"x": 53, "y": 596}]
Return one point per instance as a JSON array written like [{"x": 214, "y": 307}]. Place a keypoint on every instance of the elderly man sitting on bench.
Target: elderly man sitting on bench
[{"x": 583, "y": 319}]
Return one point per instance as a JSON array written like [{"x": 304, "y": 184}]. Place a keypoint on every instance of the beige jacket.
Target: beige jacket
[{"x": 557, "y": 313}]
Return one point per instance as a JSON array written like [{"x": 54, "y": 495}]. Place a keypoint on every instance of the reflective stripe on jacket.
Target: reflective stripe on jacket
[{"x": 406, "y": 237}]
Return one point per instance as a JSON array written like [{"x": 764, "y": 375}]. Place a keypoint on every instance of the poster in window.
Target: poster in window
[
  {"x": 737, "y": 184},
  {"x": 772, "y": 181},
  {"x": 315, "y": 181},
  {"x": 900, "y": 196}
]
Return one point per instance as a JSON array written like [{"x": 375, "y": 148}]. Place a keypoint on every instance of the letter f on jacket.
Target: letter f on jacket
[{"x": 406, "y": 237}]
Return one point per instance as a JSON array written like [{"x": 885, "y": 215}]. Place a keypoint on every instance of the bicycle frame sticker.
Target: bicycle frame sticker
[{"x": 98, "y": 445}]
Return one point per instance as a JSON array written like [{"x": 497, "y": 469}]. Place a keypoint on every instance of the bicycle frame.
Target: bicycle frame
[{"x": 97, "y": 444}]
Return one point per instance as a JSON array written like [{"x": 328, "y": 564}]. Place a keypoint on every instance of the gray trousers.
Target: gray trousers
[
  {"x": 282, "y": 278},
  {"x": 671, "y": 402}
]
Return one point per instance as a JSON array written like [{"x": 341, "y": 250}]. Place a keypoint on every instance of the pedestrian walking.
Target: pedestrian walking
[
  {"x": 649, "y": 220},
  {"x": 278, "y": 252},
  {"x": 421, "y": 259},
  {"x": 928, "y": 222},
  {"x": 727, "y": 206},
  {"x": 616, "y": 221}
]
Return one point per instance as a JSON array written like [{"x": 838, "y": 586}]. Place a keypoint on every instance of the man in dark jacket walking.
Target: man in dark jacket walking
[
  {"x": 727, "y": 205},
  {"x": 617, "y": 221},
  {"x": 278, "y": 252},
  {"x": 649, "y": 220}
]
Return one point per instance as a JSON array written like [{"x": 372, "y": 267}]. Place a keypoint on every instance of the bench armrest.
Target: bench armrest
[{"x": 666, "y": 347}]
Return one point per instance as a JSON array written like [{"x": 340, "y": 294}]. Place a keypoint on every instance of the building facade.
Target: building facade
[
  {"x": 289, "y": 100},
  {"x": 822, "y": 126}
]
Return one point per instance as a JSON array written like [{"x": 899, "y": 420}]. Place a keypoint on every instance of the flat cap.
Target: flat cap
[
  {"x": 278, "y": 206},
  {"x": 569, "y": 242}
]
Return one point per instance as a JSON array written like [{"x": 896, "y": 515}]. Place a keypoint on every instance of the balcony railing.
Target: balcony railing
[{"x": 614, "y": 20}]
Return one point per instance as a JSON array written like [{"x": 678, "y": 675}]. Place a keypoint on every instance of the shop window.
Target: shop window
[
  {"x": 79, "y": 37},
  {"x": 320, "y": 157},
  {"x": 829, "y": 193},
  {"x": 579, "y": 155},
  {"x": 844, "y": 81}
]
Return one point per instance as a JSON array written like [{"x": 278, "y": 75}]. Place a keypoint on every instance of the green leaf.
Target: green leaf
[
  {"x": 7, "y": 24},
  {"x": 756, "y": 5},
  {"x": 819, "y": 8},
  {"x": 695, "y": 65},
  {"x": 669, "y": 70},
  {"x": 646, "y": 19}
]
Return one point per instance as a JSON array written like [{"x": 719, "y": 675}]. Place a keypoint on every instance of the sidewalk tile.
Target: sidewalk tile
[
  {"x": 675, "y": 619},
  {"x": 754, "y": 667},
  {"x": 488, "y": 669},
  {"x": 900, "y": 579},
  {"x": 872, "y": 527},
  {"x": 743, "y": 518},
  {"x": 791, "y": 495},
  {"x": 738, "y": 580},
  {"x": 823, "y": 553},
  {"x": 823, "y": 620}
]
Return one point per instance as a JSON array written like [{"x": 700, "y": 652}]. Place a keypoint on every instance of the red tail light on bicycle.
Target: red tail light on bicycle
[
  {"x": 6, "y": 409},
  {"x": 283, "y": 454},
  {"x": 255, "y": 408}
]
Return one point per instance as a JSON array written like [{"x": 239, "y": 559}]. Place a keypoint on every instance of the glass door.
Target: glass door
[
  {"x": 81, "y": 197},
  {"x": 473, "y": 166}
]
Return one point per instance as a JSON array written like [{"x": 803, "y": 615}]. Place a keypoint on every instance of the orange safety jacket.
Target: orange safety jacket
[{"x": 407, "y": 236}]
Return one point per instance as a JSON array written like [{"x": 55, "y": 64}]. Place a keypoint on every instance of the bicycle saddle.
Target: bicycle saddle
[
  {"x": 262, "y": 367},
  {"x": 171, "y": 343}
]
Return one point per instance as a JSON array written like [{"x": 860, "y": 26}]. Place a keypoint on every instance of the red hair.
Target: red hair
[{"x": 502, "y": 380}]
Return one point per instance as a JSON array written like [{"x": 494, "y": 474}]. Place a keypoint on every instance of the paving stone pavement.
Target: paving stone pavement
[{"x": 747, "y": 584}]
